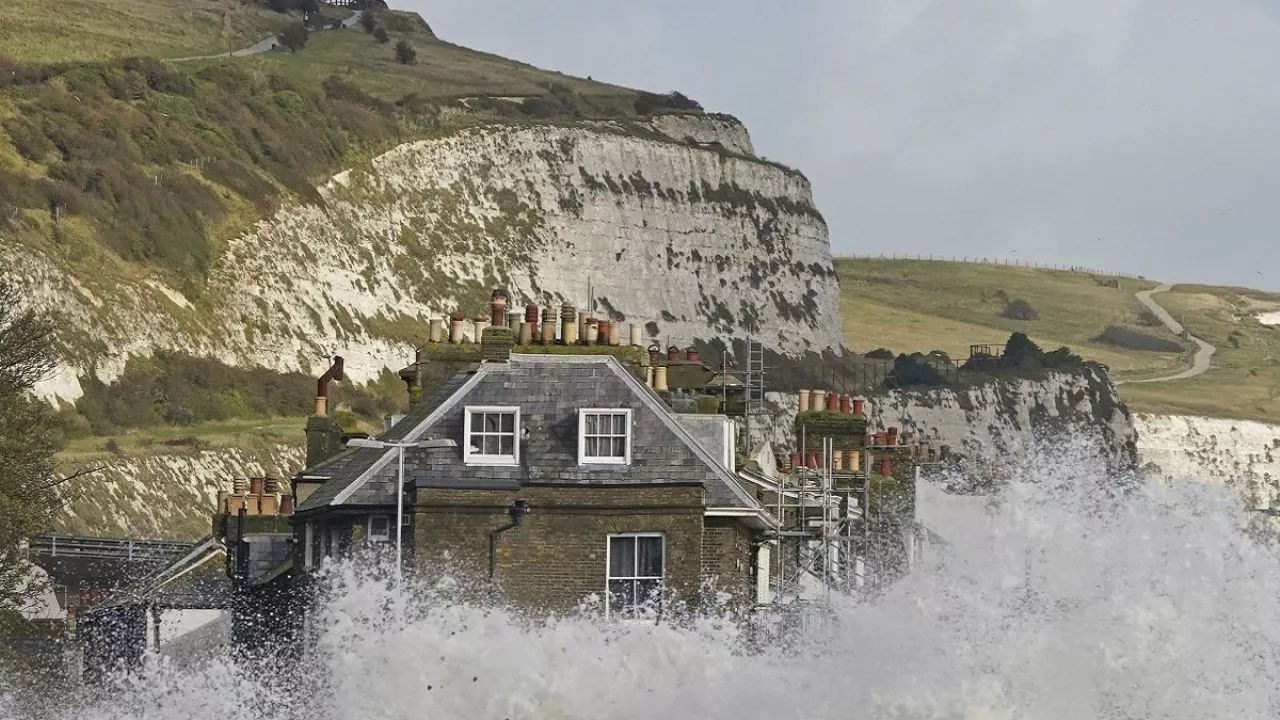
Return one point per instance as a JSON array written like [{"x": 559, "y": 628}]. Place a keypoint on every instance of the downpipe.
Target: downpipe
[{"x": 516, "y": 512}]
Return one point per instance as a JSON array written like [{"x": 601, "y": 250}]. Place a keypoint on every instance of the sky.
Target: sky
[{"x": 1138, "y": 136}]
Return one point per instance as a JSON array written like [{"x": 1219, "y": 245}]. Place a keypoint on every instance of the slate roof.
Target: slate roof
[
  {"x": 348, "y": 466},
  {"x": 549, "y": 390}
]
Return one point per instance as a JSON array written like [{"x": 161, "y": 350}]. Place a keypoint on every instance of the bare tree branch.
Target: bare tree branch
[{"x": 77, "y": 474}]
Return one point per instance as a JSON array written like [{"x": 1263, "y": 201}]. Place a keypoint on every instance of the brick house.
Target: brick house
[{"x": 568, "y": 478}]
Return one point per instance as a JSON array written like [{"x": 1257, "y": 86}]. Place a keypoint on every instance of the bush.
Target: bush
[
  {"x": 368, "y": 21},
  {"x": 405, "y": 54},
  {"x": 647, "y": 102},
  {"x": 880, "y": 354},
  {"x": 913, "y": 371},
  {"x": 1021, "y": 354},
  {"x": 1019, "y": 310},
  {"x": 294, "y": 37},
  {"x": 1135, "y": 340},
  {"x": 380, "y": 34}
]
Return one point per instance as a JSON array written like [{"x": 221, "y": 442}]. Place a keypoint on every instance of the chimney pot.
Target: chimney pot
[
  {"x": 239, "y": 486},
  {"x": 255, "y": 486},
  {"x": 286, "y": 504},
  {"x": 660, "y": 378},
  {"x": 857, "y": 406},
  {"x": 692, "y": 354},
  {"x": 593, "y": 331},
  {"x": 804, "y": 399},
  {"x": 615, "y": 334},
  {"x": 435, "y": 330},
  {"x": 568, "y": 324},
  {"x": 654, "y": 351},
  {"x": 637, "y": 337}
]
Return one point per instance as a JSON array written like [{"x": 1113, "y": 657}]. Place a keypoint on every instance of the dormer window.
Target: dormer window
[
  {"x": 604, "y": 437},
  {"x": 492, "y": 436}
]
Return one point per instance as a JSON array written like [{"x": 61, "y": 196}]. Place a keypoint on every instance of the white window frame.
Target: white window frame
[
  {"x": 582, "y": 437},
  {"x": 379, "y": 539},
  {"x": 470, "y": 457},
  {"x": 608, "y": 564}
]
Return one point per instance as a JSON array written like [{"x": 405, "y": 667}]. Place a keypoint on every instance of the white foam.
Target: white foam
[{"x": 1066, "y": 600}]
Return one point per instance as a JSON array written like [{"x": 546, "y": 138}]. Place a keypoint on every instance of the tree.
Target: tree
[
  {"x": 405, "y": 54},
  {"x": 309, "y": 7},
  {"x": 29, "y": 437},
  {"x": 368, "y": 21},
  {"x": 381, "y": 35},
  {"x": 294, "y": 37}
]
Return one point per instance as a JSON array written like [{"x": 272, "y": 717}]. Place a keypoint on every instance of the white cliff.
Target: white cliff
[
  {"x": 997, "y": 419},
  {"x": 170, "y": 496},
  {"x": 1244, "y": 453},
  {"x": 689, "y": 241}
]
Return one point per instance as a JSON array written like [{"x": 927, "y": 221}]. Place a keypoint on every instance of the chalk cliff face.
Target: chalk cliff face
[
  {"x": 1244, "y": 453},
  {"x": 167, "y": 496},
  {"x": 998, "y": 419},
  {"x": 688, "y": 240}
]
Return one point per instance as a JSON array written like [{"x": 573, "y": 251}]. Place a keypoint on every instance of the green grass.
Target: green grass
[
  {"x": 1244, "y": 380},
  {"x": 914, "y": 305},
  {"x": 78, "y": 30},
  {"x": 921, "y": 305},
  {"x": 442, "y": 70}
]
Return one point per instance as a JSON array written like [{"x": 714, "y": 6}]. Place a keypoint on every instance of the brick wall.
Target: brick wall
[
  {"x": 557, "y": 556},
  {"x": 727, "y": 560}
]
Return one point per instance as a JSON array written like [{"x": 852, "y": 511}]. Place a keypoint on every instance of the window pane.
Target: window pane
[
  {"x": 491, "y": 423},
  {"x": 477, "y": 422},
  {"x": 591, "y": 421},
  {"x": 591, "y": 447},
  {"x": 622, "y": 557},
  {"x": 648, "y": 594},
  {"x": 380, "y": 525},
  {"x": 508, "y": 422},
  {"x": 622, "y": 596},
  {"x": 490, "y": 444},
  {"x": 619, "y": 447},
  {"x": 507, "y": 445},
  {"x": 649, "y": 554},
  {"x": 619, "y": 424}
]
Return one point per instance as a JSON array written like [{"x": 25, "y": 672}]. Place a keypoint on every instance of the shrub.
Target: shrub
[
  {"x": 405, "y": 54},
  {"x": 647, "y": 102},
  {"x": 294, "y": 37},
  {"x": 380, "y": 34},
  {"x": 1019, "y": 310},
  {"x": 880, "y": 354},
  {"x": 1135, "y": 340},
  {"x": 1146, "y": 318},
  {"x": 913, "y": 371},
  {"x": 368, "y": 21}
]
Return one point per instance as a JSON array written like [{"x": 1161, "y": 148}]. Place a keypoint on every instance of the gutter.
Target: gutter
[{"x": 516, "y": 512}]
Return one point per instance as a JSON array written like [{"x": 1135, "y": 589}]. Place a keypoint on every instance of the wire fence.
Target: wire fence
[{"x": 999, "y": 262}]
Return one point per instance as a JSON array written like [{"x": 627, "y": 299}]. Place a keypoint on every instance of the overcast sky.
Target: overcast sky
[{"x": 1135, "y": 135}]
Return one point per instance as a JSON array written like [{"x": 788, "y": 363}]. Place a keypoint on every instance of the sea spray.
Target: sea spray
[{"x": 1072, "y": 596}]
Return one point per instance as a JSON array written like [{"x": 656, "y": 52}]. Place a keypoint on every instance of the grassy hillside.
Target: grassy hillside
[
  {"x": 38, "y": 31},
  {"x": 913, "y": 305},
  {"x": 1244, "y": 381},
  {"x": 908, "y": 305}
]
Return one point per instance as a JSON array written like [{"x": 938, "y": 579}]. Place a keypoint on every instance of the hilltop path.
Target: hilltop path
[
  {"x": 1205, "y": 351},
  {"x": 264, "y": 45}
]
